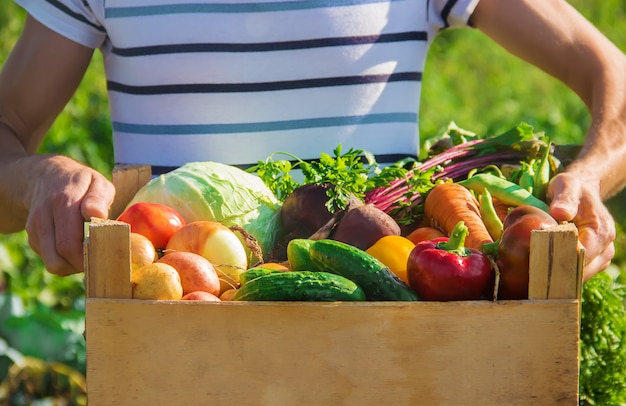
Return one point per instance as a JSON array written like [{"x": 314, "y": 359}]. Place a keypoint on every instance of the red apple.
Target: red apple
[
  {"x": 196, "y": 272},
  {"x": 157, "y": 222}
]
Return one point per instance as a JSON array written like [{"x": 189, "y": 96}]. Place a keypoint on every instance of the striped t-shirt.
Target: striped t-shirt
[{"x": 235, "y": 80}]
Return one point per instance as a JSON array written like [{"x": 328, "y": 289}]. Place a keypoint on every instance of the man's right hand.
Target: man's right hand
[{"x": 64, "y": 194}]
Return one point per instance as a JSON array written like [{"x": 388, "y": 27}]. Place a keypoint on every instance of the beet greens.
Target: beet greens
[{"x": 402, "y": 197}]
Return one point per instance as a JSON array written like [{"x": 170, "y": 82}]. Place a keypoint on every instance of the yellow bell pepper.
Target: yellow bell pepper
[{"x": 393, "y": 251}]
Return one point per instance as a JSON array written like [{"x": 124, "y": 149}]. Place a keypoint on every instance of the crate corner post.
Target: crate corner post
[
  {"x": 556, "y": 263},
  {"x": 107, "y": 259}
]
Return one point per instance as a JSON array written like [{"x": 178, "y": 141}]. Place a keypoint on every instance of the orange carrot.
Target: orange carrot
[
  {"x": 448, "y": 203},
  {"x": 502, "y": 209}
]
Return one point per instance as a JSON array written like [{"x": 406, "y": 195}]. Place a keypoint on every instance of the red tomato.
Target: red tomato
[
  {"x": 514, "y": 249},
  {"x": 425, "y": 234},
  {"x": 155, "y": 221}
]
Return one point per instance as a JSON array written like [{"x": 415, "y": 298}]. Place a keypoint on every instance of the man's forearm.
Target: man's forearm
[
  {"x": 553, "y": 36},
  {"x": 13, "y": 175},
  {"x": 603, "y": 156}
]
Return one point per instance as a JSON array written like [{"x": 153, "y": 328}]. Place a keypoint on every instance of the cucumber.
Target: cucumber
[
  {"x": 376, "y": 279},
  {"x": 254, "y": 273},
  {"x": 299, "y": 286},
  {"x": 298, "y": 255}
]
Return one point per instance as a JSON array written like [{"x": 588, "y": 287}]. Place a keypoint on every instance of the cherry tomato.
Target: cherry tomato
[{"x": 155, "y": 221}]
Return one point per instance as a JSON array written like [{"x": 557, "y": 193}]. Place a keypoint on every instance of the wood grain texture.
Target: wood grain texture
[
  {"x": 456, "y": 353},
  {"x": 107, "y": 259},
  {"x": 555, "y": 263},
  {"x": 128, "y": 179}
]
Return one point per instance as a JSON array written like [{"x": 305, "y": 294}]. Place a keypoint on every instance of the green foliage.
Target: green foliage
[
  {"x": 603, "y": 338},
  {"x": 351, "y": 173}
]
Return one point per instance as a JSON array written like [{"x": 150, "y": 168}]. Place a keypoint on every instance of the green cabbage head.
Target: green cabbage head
[{"x": 218, "y": 192}]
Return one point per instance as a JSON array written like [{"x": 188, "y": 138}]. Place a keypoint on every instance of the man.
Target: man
[{"x": 234, "y": 81}]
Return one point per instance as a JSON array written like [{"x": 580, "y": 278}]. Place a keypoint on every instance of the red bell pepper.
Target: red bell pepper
[{"x": 444, "y": 269}]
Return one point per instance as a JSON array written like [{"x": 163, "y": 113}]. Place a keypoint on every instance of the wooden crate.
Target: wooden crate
[{"x": 291, "y": 353}]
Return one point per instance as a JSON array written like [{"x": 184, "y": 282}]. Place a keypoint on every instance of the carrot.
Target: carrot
[
  {"x": 502, "y": 209},
  {"x": 448, "y": 203}
]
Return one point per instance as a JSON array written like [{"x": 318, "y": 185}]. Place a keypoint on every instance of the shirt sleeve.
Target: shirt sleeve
[
  {"x": 74, "y": 19},
  {"x": 450, "y": 13}
]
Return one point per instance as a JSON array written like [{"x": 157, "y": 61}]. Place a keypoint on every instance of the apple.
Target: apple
[
  {"x": 157, "y": 222},
  {"x": 201, "y": 295},
  {"x": 156, "y": 281},
  {"x": 215, "y": 242},
  {"x": 196, "y": 272}
]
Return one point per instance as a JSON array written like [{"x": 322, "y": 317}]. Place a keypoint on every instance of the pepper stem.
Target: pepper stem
[{"x": 456, "y": 242}]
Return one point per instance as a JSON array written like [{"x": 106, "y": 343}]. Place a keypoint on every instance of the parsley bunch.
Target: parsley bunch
[{"x": 353, "y": 172}]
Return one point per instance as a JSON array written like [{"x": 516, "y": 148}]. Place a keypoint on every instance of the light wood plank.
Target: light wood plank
[
  {"x": 107, "y": 259},
  {"x": 554, "y": 263},
  {"x": 456, "y": 353},
  {"x": 127, "y": 179}
]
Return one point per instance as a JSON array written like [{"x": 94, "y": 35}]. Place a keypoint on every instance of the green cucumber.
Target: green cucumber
[
  {"x": 376, "y": 279},
  {"x": 298, "y": 255},
  {"x": 299, "y": 286},
  {"x": 254, "y": 273}
]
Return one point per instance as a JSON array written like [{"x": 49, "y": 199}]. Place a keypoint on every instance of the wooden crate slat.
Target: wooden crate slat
[
  {"x": 462, "y": 353},
  {"x": 128, "y": 179}
]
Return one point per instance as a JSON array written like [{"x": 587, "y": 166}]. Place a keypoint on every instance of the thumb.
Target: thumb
[
  {"x": 564, "y": 194},
  {"x": 98, "y": 199}
]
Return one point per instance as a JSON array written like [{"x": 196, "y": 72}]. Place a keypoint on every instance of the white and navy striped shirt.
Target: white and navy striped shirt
[{"x": 235, "y": 80}]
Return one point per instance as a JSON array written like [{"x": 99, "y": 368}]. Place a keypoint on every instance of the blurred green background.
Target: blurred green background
[{"x": 468, "y": 80}]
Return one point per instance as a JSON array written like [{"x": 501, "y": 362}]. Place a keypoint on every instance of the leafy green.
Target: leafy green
[
  {"x": 603, "y": 342},
  {"x": 351, "y": 173}
]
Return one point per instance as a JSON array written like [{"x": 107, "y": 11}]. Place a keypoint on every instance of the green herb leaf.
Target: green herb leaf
[{"x": 350, "y": 173}]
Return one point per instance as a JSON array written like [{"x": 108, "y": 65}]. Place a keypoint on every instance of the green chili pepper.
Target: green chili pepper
[
  {"x": 526, "y": 179},
  {"x": 503, "y": 190},
  {"x": 542, "y": 175},
  {"x": 489, "y": 215}
]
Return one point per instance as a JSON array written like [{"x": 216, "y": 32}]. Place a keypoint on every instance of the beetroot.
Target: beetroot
[
  {"x": 304, "y": 211},
  {"x": 364, "y": 225}
]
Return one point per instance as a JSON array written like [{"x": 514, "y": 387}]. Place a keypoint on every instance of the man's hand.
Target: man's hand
[
  {"x": 578, "y": 202},
  {"x": 64, "y": 195}
]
